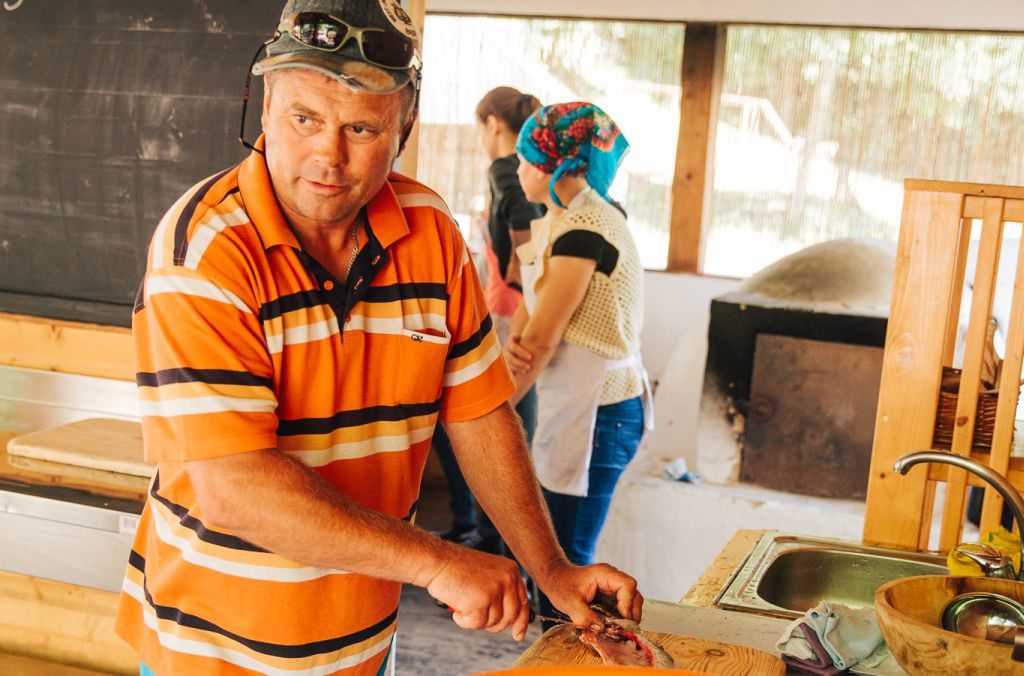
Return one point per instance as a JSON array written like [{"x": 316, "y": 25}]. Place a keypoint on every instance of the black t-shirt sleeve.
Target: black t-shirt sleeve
[
  {"x": 515, "y": 210},
  {"x": 587, "y": 244}
]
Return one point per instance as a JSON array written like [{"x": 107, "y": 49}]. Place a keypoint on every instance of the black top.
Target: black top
[
  {"x": 510, "y": 209},
  {"x": 590, "y": 245}
]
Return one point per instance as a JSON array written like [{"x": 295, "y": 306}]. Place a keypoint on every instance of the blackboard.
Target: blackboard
[{"x": 109, "y": 110}]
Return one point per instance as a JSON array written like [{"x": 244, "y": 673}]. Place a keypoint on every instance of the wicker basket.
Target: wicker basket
[{"x": 945, "y": 419}]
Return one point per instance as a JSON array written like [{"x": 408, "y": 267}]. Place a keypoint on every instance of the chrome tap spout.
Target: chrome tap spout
[{"x": 986, "y": 474}]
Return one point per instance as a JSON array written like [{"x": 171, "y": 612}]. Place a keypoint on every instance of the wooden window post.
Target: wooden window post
[{"x": 692, "y": 185}]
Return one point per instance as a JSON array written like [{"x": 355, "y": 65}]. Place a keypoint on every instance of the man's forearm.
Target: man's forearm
[
  {"x": 492, "y": 454},
  {"x": 301, "y": 517}
]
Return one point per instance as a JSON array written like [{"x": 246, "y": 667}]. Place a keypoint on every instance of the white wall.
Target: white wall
[
  {"x": 666, "y": 532},
  {"x": 986, "y": 15},
  {"x": 675, "y": 343},
  {"x": 673, "y": 302}
]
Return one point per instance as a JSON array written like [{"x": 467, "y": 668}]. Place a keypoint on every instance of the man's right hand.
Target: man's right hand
[{"x": 484, "y": 591}]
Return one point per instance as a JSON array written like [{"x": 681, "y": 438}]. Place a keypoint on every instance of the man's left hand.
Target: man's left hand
[{"x": 572, "y": 589}]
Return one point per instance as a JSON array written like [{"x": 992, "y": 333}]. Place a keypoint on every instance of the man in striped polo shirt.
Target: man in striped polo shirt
[{"x": 305, "y": 318}]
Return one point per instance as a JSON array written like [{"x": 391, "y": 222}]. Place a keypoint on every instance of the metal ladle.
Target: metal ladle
[{"x": 989, "y": 616}]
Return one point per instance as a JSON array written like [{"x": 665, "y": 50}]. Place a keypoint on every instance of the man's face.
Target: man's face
[{"x": 329, "y": 148}]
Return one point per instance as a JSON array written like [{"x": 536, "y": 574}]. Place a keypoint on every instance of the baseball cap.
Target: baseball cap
[{"x": 368, "y": 44}]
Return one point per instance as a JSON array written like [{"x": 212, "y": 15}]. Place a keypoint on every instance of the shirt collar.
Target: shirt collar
[
  {"x": 260, "y": 201},
  {"x": 384, "y": 212},
  {"x": 385, "y": 215}
]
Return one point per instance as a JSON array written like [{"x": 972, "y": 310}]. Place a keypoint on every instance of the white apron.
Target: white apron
[{"x": 568, "y": 395}]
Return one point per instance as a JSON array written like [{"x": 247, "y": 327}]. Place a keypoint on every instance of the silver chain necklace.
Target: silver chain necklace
[{"x": 355, "y": 243}]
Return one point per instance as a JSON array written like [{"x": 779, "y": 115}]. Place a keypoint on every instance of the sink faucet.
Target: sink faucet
[{"x": 987, "y": 474}]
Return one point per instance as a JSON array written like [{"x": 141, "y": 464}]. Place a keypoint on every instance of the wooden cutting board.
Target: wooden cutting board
[
  {"x": 559, "y": 646},
  {"x": 96, "y": 443}
]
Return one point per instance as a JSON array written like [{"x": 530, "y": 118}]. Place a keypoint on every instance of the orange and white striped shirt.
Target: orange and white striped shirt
[{"x": 243, "y": 342}]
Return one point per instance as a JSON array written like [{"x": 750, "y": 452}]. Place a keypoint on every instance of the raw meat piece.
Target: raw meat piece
[{"x": 620, "y": 643}]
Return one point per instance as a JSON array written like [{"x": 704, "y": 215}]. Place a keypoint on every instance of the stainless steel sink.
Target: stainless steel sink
[{"x": 785, "y": 575}]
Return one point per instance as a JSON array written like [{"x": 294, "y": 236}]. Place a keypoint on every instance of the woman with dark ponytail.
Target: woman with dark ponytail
[{"x": 500, "y": 114}]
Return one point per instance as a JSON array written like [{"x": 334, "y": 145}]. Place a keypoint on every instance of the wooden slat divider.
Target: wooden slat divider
[
  {"x": 1009, "y": 389},
  {"x": 925, "y": 265},
  {"x": 1013, "y": 211},
  {"x": 949, "y": 351},
  {"x": 927, "y": 289},
  {"x": 1010, "y": 192},
  {"x": 986, "y": 270},
  {"x": 956, "y": 295}
]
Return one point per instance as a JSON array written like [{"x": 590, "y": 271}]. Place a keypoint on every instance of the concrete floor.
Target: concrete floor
[{"x": 429, "y": 643}]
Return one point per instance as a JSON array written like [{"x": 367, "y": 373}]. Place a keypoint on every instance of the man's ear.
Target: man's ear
[{"x": 491, "y": 124}]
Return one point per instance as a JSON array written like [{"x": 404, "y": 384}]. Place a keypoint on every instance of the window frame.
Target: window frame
[{"x": 701, "y": 79}]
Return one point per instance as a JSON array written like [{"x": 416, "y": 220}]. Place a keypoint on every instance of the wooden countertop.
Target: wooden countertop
[
  {"x": 49, "y": 474},
  {"x": 697, "y": 633},
  {"x": 696, "y": 616},
  {"x": 710, "y": 584}
]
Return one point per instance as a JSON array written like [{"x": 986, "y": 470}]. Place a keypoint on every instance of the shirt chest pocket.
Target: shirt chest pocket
[{"x": 422, "y": 353}]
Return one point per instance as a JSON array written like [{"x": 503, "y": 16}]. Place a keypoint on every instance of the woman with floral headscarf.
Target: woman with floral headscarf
[{"x": 577, "y": 335}]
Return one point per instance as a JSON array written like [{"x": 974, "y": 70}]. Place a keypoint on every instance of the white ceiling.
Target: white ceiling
[{"x": 982, "y": 15}]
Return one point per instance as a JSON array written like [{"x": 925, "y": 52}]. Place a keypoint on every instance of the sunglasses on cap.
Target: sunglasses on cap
[
  {"x": 329, "y": 34},
  {"x": 377, "y": 46}
]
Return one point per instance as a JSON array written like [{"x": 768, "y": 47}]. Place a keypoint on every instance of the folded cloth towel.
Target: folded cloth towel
[
  {"x": 847, "y": 635},
  {"x": 794, "y": 644},
  {"x": 802, "y": 650},
  {"x": 821, "y": 655},
  {"x": 819, "y": 663},
  {"x": 795, "y": 666},
  {"x": 851, "y": 634}
]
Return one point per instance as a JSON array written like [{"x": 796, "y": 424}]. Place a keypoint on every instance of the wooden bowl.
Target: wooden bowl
[{"x": 910, "y": 616}]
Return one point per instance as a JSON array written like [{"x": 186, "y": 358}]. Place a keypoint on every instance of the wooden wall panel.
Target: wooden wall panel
[
  {"x": 63, "y": 623},
  {"x": 66, "y": 347}
]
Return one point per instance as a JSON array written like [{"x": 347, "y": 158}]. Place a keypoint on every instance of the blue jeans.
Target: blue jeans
[
  {"x": 463, "y": 505},
  {"x": 578, "y": 520}
]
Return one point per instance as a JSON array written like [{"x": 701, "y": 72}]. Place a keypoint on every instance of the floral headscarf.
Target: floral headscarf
[{"x": 573, "y": 139}]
